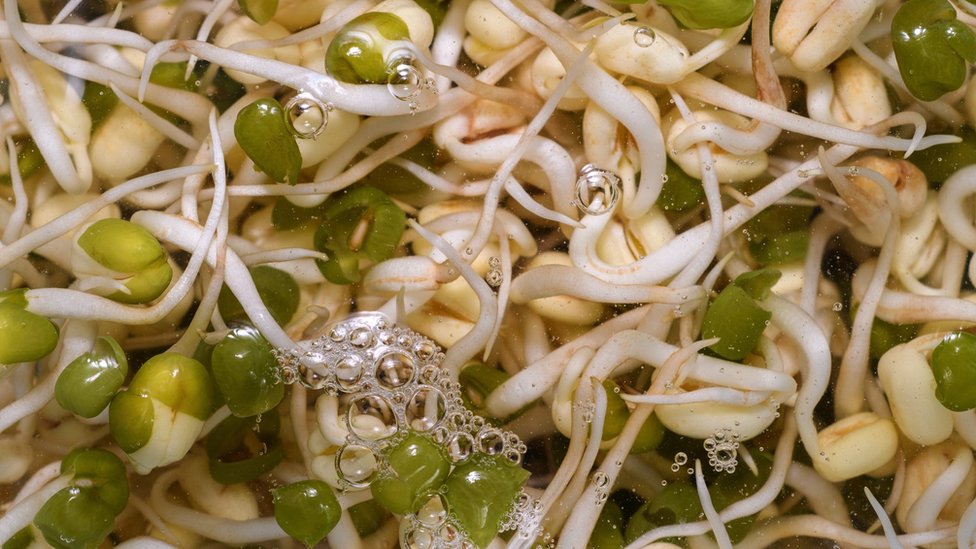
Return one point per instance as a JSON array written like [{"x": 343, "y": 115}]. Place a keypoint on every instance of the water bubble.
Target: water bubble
[
  {"x": 416, "y": 537},
  {"x": 426, "y": 409},
  {"x": 349, "y": 371},
  {"x": 424, "y": 349},
  {"x": 460, "y": 446},
  {"x": 644, "y": 37},
  {"x": 371, "y": 417},
  {"x": 310, "y": 377},
  {"x": 837, "y": 307},
  {"x": 433, "y": 513},
  {"x": 356, "y": 465},
  {"x": 395, "y": 369},
  {"x": 307, "y": 116},
  {"x": 405, "y": 81},
  {"x": 597, "y": 191},
  {"x": 675, "y": 467},
  {"x": 491, "y": 442},
  {"x": 601, "y": 480},
  {"x": 361, "y": 337},
  {"x": 681, "y": 458},
  {"x": 722, "y": 449}
]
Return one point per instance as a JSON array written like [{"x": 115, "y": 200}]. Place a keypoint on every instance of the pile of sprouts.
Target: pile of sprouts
[{"x": 487, "y": 273}]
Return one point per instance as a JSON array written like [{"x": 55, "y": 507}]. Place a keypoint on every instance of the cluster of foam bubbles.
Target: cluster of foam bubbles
[
  {"x": 723, "y": 450},
  {"x": 393, "y": 382}
]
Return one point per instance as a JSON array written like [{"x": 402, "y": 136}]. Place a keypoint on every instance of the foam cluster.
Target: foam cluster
[{"x": 390, "y": 381}]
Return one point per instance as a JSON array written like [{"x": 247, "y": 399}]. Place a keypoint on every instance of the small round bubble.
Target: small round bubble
[
  {"x": 405, "y": 81},
  {"x": 597, "y": 191},
  {"x": 644, "y": 37},
  {"x": 307, "y": 116}
]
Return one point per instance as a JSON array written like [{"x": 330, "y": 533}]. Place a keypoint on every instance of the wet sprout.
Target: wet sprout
[
  {"x": 158, "y": 417},
  {"x": 278, "y": 290},
  {"x": 83, "y": 514},
  {"x": 709, "y": 14},
  {"x": 260, "y": 11},
  {"x": 262, "y": 132},
  {"x": 127, "y": 253},
  {"x": 932, "y": 47},
  {"x": 88, "y": 384},
  {"x": 418, "y": 467},
  {"x": 480, "y": 491},
  {"x": 246, "y": 372},
  {"x": 736, "y": 318},
  {"x": 24, "y": 336},
  {"x": 362, "y": 224},
  {"x": 243, "y": 449},
  {"x": 363, "y": 51},
  {"x": 306, "y": 510},
  {"x": 954, "y": 366}
]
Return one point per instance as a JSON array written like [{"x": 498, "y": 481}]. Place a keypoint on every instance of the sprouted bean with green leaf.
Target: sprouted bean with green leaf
[{"x": 484, "y": 273}]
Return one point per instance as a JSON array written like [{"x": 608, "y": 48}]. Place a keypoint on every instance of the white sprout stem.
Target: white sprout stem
[
  {"x": 886, "y": 525},
  {"x": 21, "y": 514},
  {"x": 716, "y": 524},
  {"x": 966, "y": 536},
  {"x": 190, "y": 105},
  {"x": 469, "y": 345},
  {"x": 67, "y": 222},
  {"x": 481, "y": 234},
  {"x": 574, "y": 453},
  {"x": 822, "y": 496},
  {"x": 955, "y": 211},
  {"x": 550, "y": 280},
  {"x": 160, "y": 124},
  {"x": 576, "y": 531},
  {"x": 750, "y": 505},
  {"x": 849, "y": 392},
  {"x": 81, "y": 34},
  {"x": 924, "y": 513},
  {"x": 724, "y": 97},
  {"x": 612, "y": 97},
  {"x": 38, "y": 118},
  {"x": 235, "y": 532},
  {"x": 803, "y": 330},
  {"x": 203, "y": 32},
  {"x": 822, "y": 230},
  {"x": 762, "y": 535},
  {"x": 707, "y": 394},
  {"x": 366, "y": 99}
]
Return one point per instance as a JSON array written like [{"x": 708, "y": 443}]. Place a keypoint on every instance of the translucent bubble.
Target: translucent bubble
[
  {"x": 310, "y": 377},
  {"x": 395, "y": 369},
  {"x": 601, "y": 480},
  {"x": 307, "y": 116},
  {"x": 460, "y": 446},
  {"x": 356, "y": 465},
  {"x": 424, "y": 349},
  {"x": 349, "y": 371},
  {"x": 416, "y": 537},
  {"x": 494, "y": 277},
  {"x": 681, "y": 458},
  {"x": 371, "y": 417},
  {"x": 361, "y": 337},
  {"x": 433, "y": 513},
  {"x": 426, "y": 409},
  {"x": 337, "y": 333},
  {"x": 450, "y": 533},
  {"x": 405, "y": 81},
  {"x": 837, "y": 306},
  {"x": 644, "y": 36},
  {"x": 675, "y": 467},
  {"x": 491, "y": 442},
  {"x": 597, "y": 191}
]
